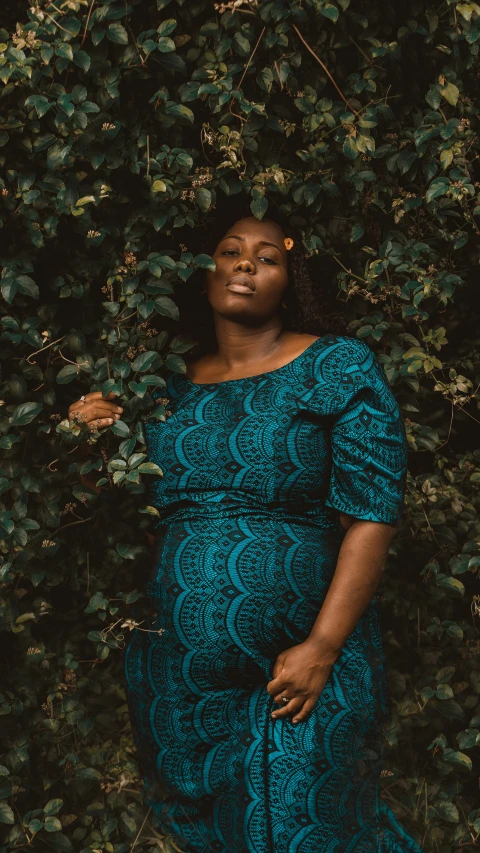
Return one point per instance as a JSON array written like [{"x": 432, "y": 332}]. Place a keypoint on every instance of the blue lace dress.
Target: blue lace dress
[{"x": 255, "y": 473}]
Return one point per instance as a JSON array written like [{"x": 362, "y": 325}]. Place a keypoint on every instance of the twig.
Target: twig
[
  {"x": 87, "y": 22},
  {"x": 71, "y": 524},
  {"x": 244, "y": 72},
  {"x": 369, "y": 60},
  {"x": 57, "y": 9},
  {"x": 148, "y": 155},
  {"x": 76, "y": 363},
  {"x": 42, "y": 349},
  {"x": 70, "y": 33},
  {"x": 327, "y": 72},
  {"x": 139, "y": 831},
  {"x": 348, "y": 271}
]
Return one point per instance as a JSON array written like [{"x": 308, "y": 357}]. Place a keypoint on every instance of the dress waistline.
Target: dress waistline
[{"x": 301, "y": 511}]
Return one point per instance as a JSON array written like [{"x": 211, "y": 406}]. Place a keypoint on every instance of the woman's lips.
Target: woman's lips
[{"x": 241, "y": 284}]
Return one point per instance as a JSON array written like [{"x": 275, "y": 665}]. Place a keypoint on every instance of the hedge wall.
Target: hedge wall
[{"x": 122, "y": 127}]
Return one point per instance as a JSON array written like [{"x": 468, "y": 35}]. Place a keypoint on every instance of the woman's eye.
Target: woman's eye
[
  {"x": 230, "y": 252},
  {"x": 269, "y": 260}
]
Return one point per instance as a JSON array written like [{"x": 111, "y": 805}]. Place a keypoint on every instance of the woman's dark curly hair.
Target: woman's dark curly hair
[{"x": 309, "y": 307}]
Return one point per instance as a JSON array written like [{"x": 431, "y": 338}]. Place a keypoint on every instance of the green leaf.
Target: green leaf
[
  {"x": 329, "y": 11},
  {"x": 40, "y": 102},
  {"x": 82, "y": 59},
  {"x": 350, "y": 148},
  {"x": 166, "y": 27},
  {"x": 203, "y": 198},
  {"x": 259, "y": 206},
  {"x": 437, "y": 188},
  {"x": 64, "y": 51},
  {"x": 150, "y": 468},
  {"x": 357, "y": 232},
  {"x": 205, "y": 262},
  {"x": 52, "y": 824},
  {"x": 166, "y": 306},
  {"x": 53, "y": 807},
  {"x": 67, "y": 374},
  {"x": 26, "y": 285},
  {"x": 165, "y": 45},
  {"x": 451, "y": 93},
  {"x": 6, "y": 814},
  {"x": 176, "y": 363},
  {"x": 117, "y": 33},
  {"x": 120, "y": 428},
  {"x": 459, "y": 759},
  {"x": 447, "y": 811},
  {"x": 444, "y": 691},
  {"x": 452, "y": 584},
  {"x": 145, "y": 360},
  {"x": 25, "y": 413},
  {"x": 180, "y": 111}
]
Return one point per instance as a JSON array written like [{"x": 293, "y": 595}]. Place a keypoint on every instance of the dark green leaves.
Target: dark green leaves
[
  {"x": 259, "y": 207},
  {"x": 117, "y": 33},
  {"x": 205, "y": 262},
  {"x": 40, "y": 103},
  {"x": 25, "y": 414}
]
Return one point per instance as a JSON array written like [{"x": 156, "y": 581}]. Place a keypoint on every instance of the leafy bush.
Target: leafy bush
[{"x": 122, "y": 127}]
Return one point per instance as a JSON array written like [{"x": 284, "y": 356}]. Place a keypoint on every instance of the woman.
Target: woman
[{"x": 257, "y": 707}]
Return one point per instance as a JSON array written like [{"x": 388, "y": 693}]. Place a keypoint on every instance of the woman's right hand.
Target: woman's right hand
[{"x": 95, "y": 411}]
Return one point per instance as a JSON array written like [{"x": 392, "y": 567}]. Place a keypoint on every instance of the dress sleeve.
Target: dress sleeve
[{"x": 368, "y": 440}]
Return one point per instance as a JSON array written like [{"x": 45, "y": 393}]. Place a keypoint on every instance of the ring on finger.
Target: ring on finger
[
  {"x": 284, "y": 699},
  {"x": 82, "y": 398}
]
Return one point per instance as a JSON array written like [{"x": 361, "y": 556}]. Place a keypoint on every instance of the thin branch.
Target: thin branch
[
  {"x": 245, "y": 71},
  {"x": 71, "y": 524},
  {"x": 87, "y": 22},
  {"x": 42, "y": 349},
  {"x": 327, "y": 72},
  {"x": 54, "y": 20},
  {"x": 140, "y": 830}
]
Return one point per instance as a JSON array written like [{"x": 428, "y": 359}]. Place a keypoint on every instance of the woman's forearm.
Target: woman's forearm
[{"x": 359, "y": 568}]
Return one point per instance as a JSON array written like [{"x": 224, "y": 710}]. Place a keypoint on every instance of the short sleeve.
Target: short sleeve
[{"x": 368, "y": 440}]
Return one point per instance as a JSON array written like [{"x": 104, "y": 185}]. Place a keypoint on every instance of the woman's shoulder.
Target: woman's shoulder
[{"x": 342, "y": 350}]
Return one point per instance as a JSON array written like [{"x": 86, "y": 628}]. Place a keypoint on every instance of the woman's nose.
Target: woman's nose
[{"x": 245, "y": 265}]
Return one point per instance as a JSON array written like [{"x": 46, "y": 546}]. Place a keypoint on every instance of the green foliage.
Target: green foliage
[{"x": 121, "y": 126}]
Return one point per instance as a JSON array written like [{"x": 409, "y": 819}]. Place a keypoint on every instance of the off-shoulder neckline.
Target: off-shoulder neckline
[{"x": 276, "y": 370}]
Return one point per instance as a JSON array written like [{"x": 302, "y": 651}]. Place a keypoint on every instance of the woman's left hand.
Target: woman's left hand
[{"x": 300, "y": 674}]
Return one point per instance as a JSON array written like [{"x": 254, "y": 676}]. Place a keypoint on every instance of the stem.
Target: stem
[
  {"x": 245, "y": 71},
  {"x": 42, "y": 349},
  {"x": 327, "y": 72},
  {"x": 87, "y": 22}
]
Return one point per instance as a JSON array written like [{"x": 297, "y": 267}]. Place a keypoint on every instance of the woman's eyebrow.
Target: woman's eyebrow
[{"x": 262, "y": 242}]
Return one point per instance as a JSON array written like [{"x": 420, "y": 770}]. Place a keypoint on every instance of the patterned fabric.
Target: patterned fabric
[{"x": 255, "y": 472}]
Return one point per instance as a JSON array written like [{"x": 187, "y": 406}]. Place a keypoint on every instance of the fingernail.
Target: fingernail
[
  {"x": 295, "y": 721},
  {"x": 110, "y": 420},
  {"x": 119, "y": 409},
  {"x": 274, "y": 716},
  {"x": 117, "y": 417}
]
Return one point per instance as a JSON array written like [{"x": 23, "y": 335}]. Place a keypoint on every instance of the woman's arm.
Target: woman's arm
[
  {"x": 360, "y": 563},
  {"x": 301, "y": 671}
]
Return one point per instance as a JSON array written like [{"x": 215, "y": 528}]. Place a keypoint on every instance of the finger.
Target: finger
[
  {"x": 101, "y": 422},
  {"x": 304, "y": 713},
  {"x": 292, "y": 707},
  {"x": 97, "y": 395},
  {"x": 290, "y": 693},
  {"x": 276, "y": 685},
  {"x": 102, "y": 410}
]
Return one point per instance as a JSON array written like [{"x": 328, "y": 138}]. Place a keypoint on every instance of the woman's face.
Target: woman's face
[{"x": 251, "y": 273}]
